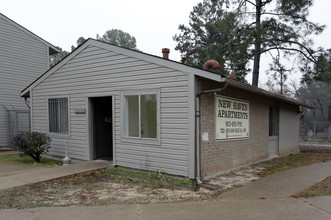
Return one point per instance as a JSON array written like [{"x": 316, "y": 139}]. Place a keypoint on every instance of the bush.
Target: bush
[{"x": 32, "y": 144}]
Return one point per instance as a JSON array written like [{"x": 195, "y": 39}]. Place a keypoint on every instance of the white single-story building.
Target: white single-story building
[{"x": 151, "y": 113}]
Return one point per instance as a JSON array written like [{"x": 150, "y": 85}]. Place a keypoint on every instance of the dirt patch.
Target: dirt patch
[
  {"x": 103, "y": 187},
  {"x": 235, "y": 178},
  {"x": 99, "y": 187}
]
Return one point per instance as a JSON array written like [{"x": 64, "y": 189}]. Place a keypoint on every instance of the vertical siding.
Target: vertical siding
[
  {"x": 22, "y": 60},
  {"x": 98, "y": 72},
  {"x": 288, "y": 129}
]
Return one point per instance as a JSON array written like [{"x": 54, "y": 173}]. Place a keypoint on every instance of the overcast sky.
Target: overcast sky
[{"x": 153, "y": 23}]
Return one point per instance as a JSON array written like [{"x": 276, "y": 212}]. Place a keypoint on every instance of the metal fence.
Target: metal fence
[
  {"x": 319, "y": 132},
  {"x": 18, "y": 121}
]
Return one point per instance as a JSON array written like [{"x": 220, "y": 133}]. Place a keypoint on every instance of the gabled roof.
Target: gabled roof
[
  {"x": 163, "y": 62},
  {"x": 129, "y": 52},
  {"x": 52, "y": 48}
]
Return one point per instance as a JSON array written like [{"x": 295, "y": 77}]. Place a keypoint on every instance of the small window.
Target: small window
[
  {"x": 58, "y": 115},
  {"x": 140, "y": 116}
]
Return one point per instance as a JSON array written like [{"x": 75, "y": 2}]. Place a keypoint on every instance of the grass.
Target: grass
[
  {"x": 152, "y": 179},
  {"x": 318, "y": 189},
  {"x": 23, "y": 159},
  {"x": 292, "y": 161}
]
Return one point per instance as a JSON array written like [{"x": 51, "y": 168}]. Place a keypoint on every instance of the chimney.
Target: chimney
[
  {"x": 165, "y": 52},
  {"x": 183, "y": 61},
  {"x": 233, "y": 75}
]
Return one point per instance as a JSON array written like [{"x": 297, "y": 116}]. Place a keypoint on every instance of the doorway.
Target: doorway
[
  {"x": 273, "y": 131},
  {"x": 102, "y": 127}
]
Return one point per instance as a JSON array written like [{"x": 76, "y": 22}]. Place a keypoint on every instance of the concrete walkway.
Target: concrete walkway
[
  {"x": 266, "y": 198},
  {"x": 12, "y": 175},
  {"x": 282, "y": 184},
  {"x": 284, "y": 209}
]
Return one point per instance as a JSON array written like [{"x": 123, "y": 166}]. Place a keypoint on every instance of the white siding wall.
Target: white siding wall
[
  {"x": 22, "y": 59},
  {"x": 288, "y": 131},
  {"x": 97, "y": 72}
]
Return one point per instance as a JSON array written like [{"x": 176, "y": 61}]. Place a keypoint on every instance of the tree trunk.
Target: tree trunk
[{"x": 257, "y": 44}]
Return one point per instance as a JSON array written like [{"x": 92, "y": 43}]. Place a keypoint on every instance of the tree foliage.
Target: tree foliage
[
  {"x": 119, "y": 38},
  {"x": 55, "y": 58},
  {"x": 278, "y": 25},
  {"x": 210, "y": 35},
  {"x": 279, "y": 75},
  {"x": 318, "y": 94},
  {"x": 317, "y": 80},
  {"x": 319, "y": 71},
  {"x": 32, "y": 144},
  {"x": 113, "y": 36},
  {"x": 79, "y": 41},
  {"x": 246, "y": 29}
]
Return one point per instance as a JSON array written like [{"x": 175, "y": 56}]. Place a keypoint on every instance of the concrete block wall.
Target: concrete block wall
[{"x": 221, "y": 155}]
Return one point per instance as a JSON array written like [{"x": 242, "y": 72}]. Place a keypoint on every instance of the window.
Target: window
[
  {"x": 140, "y": 118},
  {"x": 58, "y": 115}
]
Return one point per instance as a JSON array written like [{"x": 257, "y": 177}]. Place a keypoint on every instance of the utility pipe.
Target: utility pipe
[{"x": 197, "y": 127}]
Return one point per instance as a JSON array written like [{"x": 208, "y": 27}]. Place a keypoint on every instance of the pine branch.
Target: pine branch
[
  {"x": 250, "y": 3},
  {"x": 312, "y": 57}
]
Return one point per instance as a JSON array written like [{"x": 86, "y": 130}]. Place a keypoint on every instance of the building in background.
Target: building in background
[{"x": 23, "y": 57}]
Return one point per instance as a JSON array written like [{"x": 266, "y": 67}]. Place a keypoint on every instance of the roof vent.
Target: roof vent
[{"x": 211, "y": 64}]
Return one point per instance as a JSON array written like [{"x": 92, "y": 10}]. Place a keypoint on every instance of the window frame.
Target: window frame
[
  {"x": 68, "y": 117},
  {"x": 124, "y": 117}
]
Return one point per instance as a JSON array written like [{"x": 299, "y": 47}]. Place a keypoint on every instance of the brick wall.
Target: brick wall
[{"x": 220, "y": 155}]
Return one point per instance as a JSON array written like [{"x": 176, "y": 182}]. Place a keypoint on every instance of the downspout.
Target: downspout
[
  {"x": 197, "y": 138},
  {"x": 197, "y": 126}
]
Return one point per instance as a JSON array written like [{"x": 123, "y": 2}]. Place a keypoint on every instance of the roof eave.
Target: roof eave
[
  {"x": 263, "y": 92},
  {"x": 53, "y": 50}
]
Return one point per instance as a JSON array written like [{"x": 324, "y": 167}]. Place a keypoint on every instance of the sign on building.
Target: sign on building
[{"x": 231, "y": 118}]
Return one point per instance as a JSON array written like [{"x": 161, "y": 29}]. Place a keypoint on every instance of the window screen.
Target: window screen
[{"x": 58, "y": 115}]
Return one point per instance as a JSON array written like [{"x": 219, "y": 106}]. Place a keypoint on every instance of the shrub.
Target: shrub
[{"x": 32, "y": 144}]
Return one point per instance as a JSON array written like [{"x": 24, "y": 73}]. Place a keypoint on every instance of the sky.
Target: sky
[{"x": 152, "y": 22}]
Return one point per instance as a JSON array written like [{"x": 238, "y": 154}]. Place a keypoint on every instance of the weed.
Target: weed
[
  {"x": 158, "y": 174},
  {"x": 318, "y": 189},
  {"x": 291, "y": 161}
]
